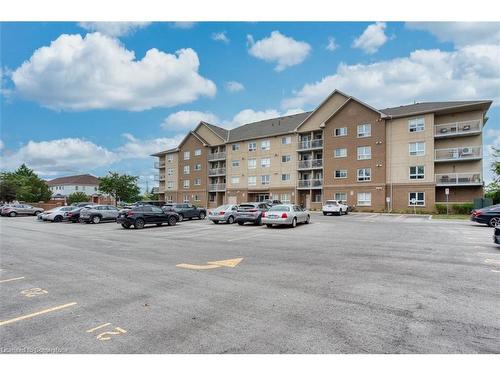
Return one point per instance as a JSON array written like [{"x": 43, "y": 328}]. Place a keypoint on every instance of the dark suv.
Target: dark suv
[
  {"x": 142, "y": 215},
  {"x": 186, "y": 210},
  {"x": 251, "y": 213}
]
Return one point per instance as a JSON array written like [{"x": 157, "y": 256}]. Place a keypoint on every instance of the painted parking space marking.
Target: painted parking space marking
[
  {"x": 33, "y": 292},
  {"x": 98, "y": 327},
  {"x": 492, "y": 261},
  {"x": 497, "y": 271},
  {"x": 107, "y": 335},
  {"x": 32, "y": 315},
  {"x": 13, "y": 279},
  {"x": 231, "y": 263}
]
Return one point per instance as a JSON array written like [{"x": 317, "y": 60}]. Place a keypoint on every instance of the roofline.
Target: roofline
[
  {"x": 261, "y": 136},
  {"x": 382, "y": 115},
  {"x": 206, "y": 123},
  {"x": 489, "y": 102}
]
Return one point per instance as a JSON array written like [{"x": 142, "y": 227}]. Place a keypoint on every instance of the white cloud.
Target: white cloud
[
  {"x": 97, "y": 72},
  {"x": 472, "y": 72},
  {"x": 187, "y": 120},
  {"x": 114, "y": 29},
  {"x": 279, "y": 49},
  {"x": 461, "y": 33},
  {"x": 332, "y": 45},
  {"x": 372, "y": 38},
  {"x": 220, "y": 37},
  {"x": 249, "y": 115},
  {"x": 1, "y": 145},
  {"x": 142, "y": 148},
  {"x": 183, "y": 25},
  {"x": 233, "y": 86}
]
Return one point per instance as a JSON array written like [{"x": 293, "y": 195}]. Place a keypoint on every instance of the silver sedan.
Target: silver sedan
[
  {"x": 225, "y": 213},
  {"x": 286, "y": 214}
]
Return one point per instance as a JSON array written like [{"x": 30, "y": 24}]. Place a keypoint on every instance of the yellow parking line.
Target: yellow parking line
[
  {"x": 96, "y": 328},
  {"x": 5, "y": 322},
  {"x": 14, "y": 279}
]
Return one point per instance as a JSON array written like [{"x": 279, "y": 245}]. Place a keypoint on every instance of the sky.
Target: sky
[{"x": 97, "y": 97}]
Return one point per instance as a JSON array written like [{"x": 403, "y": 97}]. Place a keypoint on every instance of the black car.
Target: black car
[
  {"x": 487, "y": 215},
  {"x": 142, "y": 215},
  {"x": 496, "y": 235},
  {"x": 186, "y": 210},
  {"x": 74, "y": 215}
]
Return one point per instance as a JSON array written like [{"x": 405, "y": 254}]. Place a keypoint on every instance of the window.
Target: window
[
  {"x": 340, "y": 152},
  {"x": 285, "y": 198},
  {"x": 186, "y": 184},
  {"x": 417, "y": 148},
  {"x": 364, "y": 199},
  {"x": 170, "y": 158},
  {"x": 265, "y": 179},
  {"x": 286, "y": 158},
  {"x": 317, "y": 198},
  {"x": 197, "y": 167},
  {"x": 235, "y": 163},
  {"x": 170, "y": 198},
  {"x": 286, "y": 140},
  {"x": 170, "y": 184},
  {"x": 187, "y": 155},
  {"x": 364, "y": 174},
  {"x": 252, "y": 163},
  {"x": 197, "y": 181},
  {"x": 416, "y": 125},
  {"x": 235, "y": 147},
  {"x": 197, "y": 152},
  {"x": 196, "y": 198},
  {"x": 186, "y": 169},
  {"x": 364, "y": 130},
  {"x": 170, "y": 171},
  {"x": 186, "y": 198},
  {"x": 340, "y": 173},
  {"x": 416, "y": 199},
  {"x": 76, "y": 187},
  {"x": 252, "y": 180},
  {"x": 285, "y": 177},
  {"x": 265, "y": 163},
  {"x": 341, "y": 197},
  {"x": 211, "y": 197},
  {"x": 235, "y": 180},
  {"x": 252, "y": 146},
  {"x": 417, "y": 172},
  {"x": 265, "y": 145},
  {"x": 340, "y": 132},
  {"x": 364, "y": 153}
]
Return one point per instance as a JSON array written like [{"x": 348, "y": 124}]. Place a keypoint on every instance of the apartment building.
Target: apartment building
[{"x": 375, "y": 159}]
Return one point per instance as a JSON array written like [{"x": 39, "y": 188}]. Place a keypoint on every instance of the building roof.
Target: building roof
[
  {"x": 267, "y": 128},
  {"x": 221, "y": 132},
  {"x": 428, "y": 107},
  {"x": 81, "y": 179}
]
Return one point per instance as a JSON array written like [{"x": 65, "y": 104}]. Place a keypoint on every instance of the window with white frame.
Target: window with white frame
[
  {"x": 417, "y": 172},
  {"x": 340, "y": 152},
  {"x": 416, "y": 198},
  {"x": 197, "y": 152},
  {"x": 340, "y": 132},
  {"x": 340, "y": 173},
  {"x": 197, "y": 181},
  {"x": 265, "y": 162},
  {"x": 417, "y": 148},
  {"x": 185, "y": 183},
  {"x": 252, "y": 146},
  {"x": 265, "y": 179},
  {"x": 235, "y": 147},
  {"x": 186, "y": 169},
  {"x": 364, "y": 174},
  {"x": 265, "y": 144},
  {"x": 416, "y": 125},
  {"x": 170, "y": 158},
  {"x": 252, "y": 163},
  {"x": 170, "y": 171},
  {"x": 285, "y": 177},
  {"x": 186, "y": 198},
  {"x": 170, "y": 184},
  {"x": 170, "y": 198},
  {"x": 286, "y": 158},
  {"x": 364, "y": 130},
  {"x": 341, "y": 196},
  {"x": 187, "y": 155},
  {"x": 364, "y": 153},
  {"x": 197, "y": 167},
  {"x": 235, "y": 180},
  {"x": 235, "y": 163},
  {"x": 364, "y": 199},
  {"x": 252, "y": 180},
  {"x": 286, "y": 140},
  {"x": 285, "y": 198}
]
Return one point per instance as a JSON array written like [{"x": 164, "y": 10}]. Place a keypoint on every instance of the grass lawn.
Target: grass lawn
[{"x": 451, "y": 217}]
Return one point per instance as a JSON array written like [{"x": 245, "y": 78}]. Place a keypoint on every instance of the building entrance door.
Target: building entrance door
[{"x": 261, "y": 197}]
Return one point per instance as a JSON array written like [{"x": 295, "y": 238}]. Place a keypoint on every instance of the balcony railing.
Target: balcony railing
[
  {"x": 159, "y": 164},
  {"x": 458, "y": 153},
  {"x": 450, "y": 179},
  {"x": 310, "y": 164},
  {"x": 310, "y": 145},
  {"x": 217, "y": 171},
  {"x": 455, "y": 129},
  {"x": 217, "y": 187},
  {"x": 217, "y": 156},
  {"x": 160, "y": 177},
  {"x": 156, "y": 189},
  {"x": 310, "y": 184}
]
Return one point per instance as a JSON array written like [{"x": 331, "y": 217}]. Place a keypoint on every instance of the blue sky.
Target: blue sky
[{"x": 89, "y": 98}]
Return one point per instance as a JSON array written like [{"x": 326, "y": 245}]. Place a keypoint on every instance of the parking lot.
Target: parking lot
[{"x": 362, "y": 283}]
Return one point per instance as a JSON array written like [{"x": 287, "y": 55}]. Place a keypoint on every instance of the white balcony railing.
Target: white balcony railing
[
  {"x": 159, "y": 177},
  {"x": 310, "y": 184},
  {"x": 458, "y": 128},
  {"x": 217, "y": 156},
  {"x": 454, "y": 179},
  {"x": 159, "y": 165},
  {"x": 217, "y": 171},
  {"x": 310, "y": 145},
  {"x": 217, "y": 187},
  {"x": 310, "y": 164},
  {"x": 458, "y": 153}
]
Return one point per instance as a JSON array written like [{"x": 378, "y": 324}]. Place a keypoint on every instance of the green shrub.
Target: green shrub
[
  {"x": 441, "y": 208},
  {"x": 462, "y": 209}
]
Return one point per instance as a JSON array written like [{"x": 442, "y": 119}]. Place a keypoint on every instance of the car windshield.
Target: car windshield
[
  {"x": 280, "y": 208},
  {"x": 246, "y": 206},
  {"x": 331, "y": 202}
]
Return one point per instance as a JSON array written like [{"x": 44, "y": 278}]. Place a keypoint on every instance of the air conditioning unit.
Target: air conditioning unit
[{"x": 466, "y": 151}]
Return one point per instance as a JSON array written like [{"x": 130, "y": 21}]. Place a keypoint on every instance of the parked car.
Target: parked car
[
  {"x": 20, "y": 209},
  {"x": 335, "y": 207},
  {"x": 144, "y": 203},
  {"x": 56, "y": 214},
  {"x": 139, "y": 216},
  {"x": 496, "y": 234},
  {"x": 74, "y": 214},
  {"x": 223, "y": 214},
  {"x": 186, "y": 210},
  {"x": 99, "y": 212},
  {"x": 251, "y": 213},
  {"x": 272, "y": 202},
  {"x": 83, "y": 204},
  {"x": 285, "y": 214},
  {"x": 487, "y": 215}
]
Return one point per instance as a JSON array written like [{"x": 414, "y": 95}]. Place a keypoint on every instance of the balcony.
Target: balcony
[
  {"x": 217, "y": 187},
  {"x": 458, "y": 129},
  {"x": 156, "y": 190},
  {"x": 159, "y": 177},
  {"x": 310, "y": 164},
  {"x": 310, "y": 184},
  {"x": 459, "y": 179},
  {"x": 310, "y": 145},
  {"x": 217, "y": 172},
  {"x": 458, "y": 154},
  {"x": 217, "y": 156},
  {"x": 159, "y": 165}
]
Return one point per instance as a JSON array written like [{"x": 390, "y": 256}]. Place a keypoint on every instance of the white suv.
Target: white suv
[{"x": 334, "y": 207}]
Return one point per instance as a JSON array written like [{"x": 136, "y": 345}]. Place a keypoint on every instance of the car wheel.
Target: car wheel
[
  {"x": 308, "y": 220},
  {"x": 96, "y": 220},
  {"x": 340, "y": 212},
  {"x": 201, "y": 216},
  {"x": 181, "y": 217},
  {"x": 269, "y": 225},
  {"x": 126, "y": 226},
  {"x": 215, "y": 222},
  {"x": 324, "y": 213},
  {"x": 58, "y": 219},
  {"x": 172, "y": 221},
  {"x": 346, "y": 212},
  {"x": 493, "y": 222},
  {"x": 294, "y": 222},
  {"x": 240, "y": 223},
  {"x": 13, "y": 214},
  {"x": 230, "y": 220},
  {"x": 36, "y": 213},
  {"x": 259, "y": 221},
  {"x": 139, "y": 224}
]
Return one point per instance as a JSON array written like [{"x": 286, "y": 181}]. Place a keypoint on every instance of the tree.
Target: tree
[
  {"x": 495, "y": 165},
  {"x": 78, "y": 196},
  {"x": 8, "y": 188},
  {"x": 120, "y": 187},
  {"x": 151, "y": 196},
  {"x": 23, "y": 185}
]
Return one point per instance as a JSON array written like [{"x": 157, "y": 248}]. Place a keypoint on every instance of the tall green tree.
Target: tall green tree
[
  {"x": 121, "y": 187},
  {"x": 493, "y": 188},
  {"x": 23, "y": 185},
  {"x": 77, "y": 196}
]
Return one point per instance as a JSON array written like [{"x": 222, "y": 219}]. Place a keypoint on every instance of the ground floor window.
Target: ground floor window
[
  {"x": 364, "y": 199},
  {"x": 341, "y": 197},
  {"x": 211, "y": 197},
  {"x": 317, "y": 197},
  {"x": 186, "y": 199},
  {"x": 416, "y": 198},
  {"x": 196, "y": 198},
  {"x": 170, "y": 199},
  {"x": 285, "y": 198}
]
